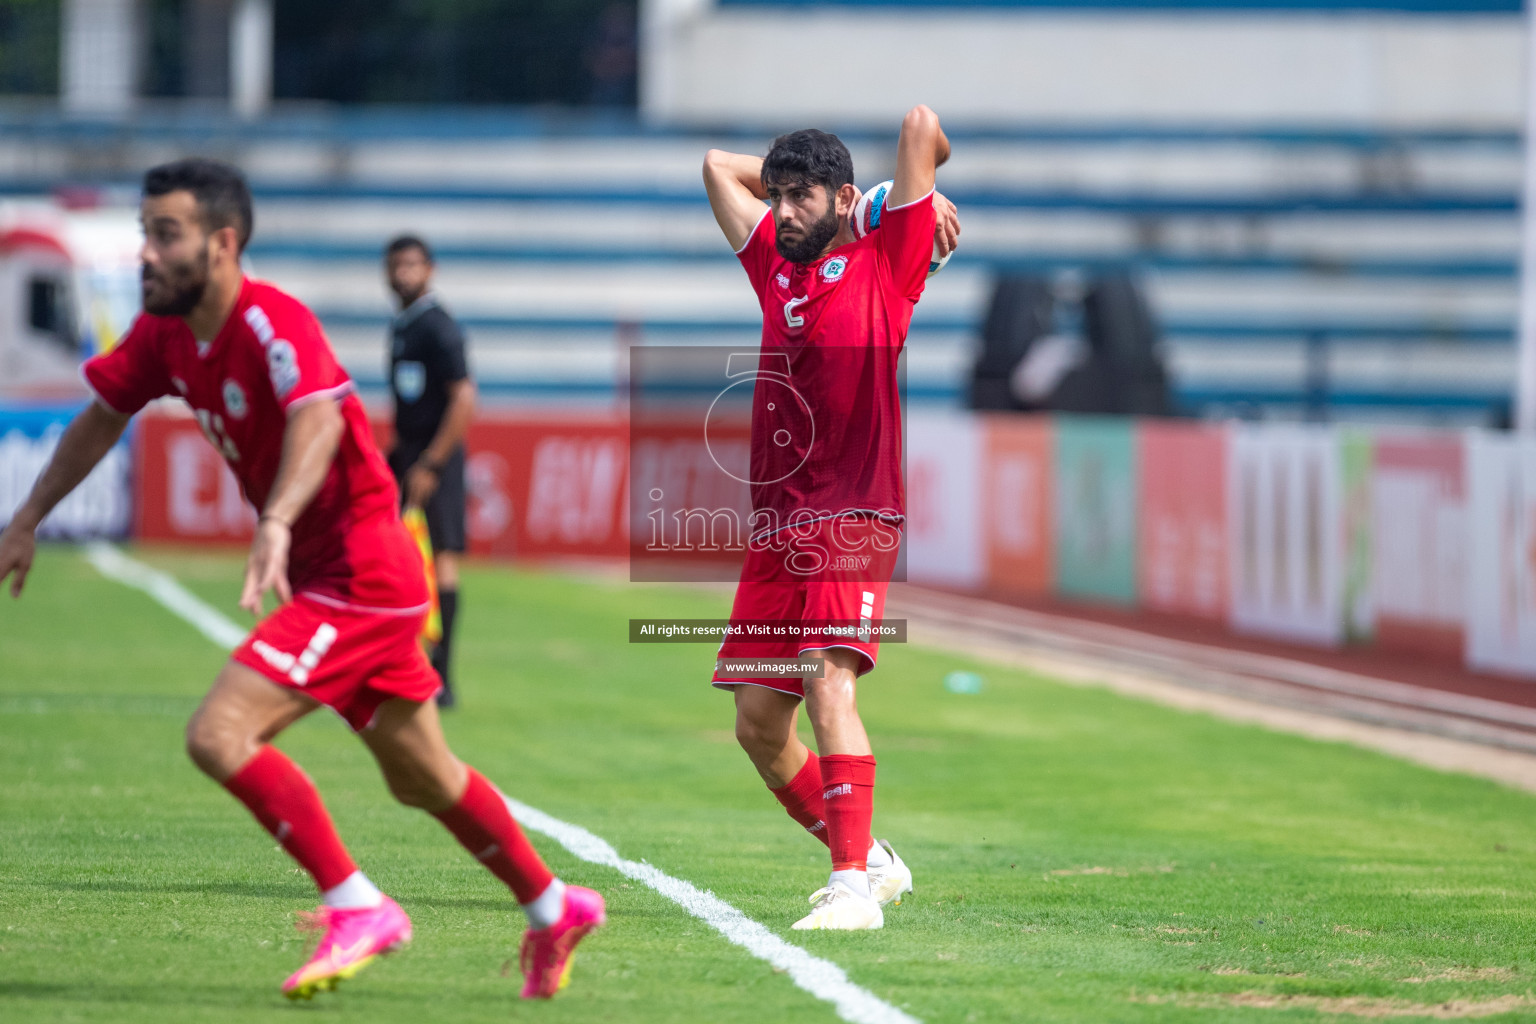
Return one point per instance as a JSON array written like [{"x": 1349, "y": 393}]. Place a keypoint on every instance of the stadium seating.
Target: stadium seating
[{"x": 1379, "y": 268}]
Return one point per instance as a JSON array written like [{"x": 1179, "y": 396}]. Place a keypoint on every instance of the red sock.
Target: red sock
[
  {"x": 481, "y": 822},
  {"x": 848, "y": 792},
  {"x": 801, "y": 797},
  {"x": 287, "y": 804}
]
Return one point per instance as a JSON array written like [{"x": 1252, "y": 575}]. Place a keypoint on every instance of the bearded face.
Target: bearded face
[
  {"x": 801, "y": 243},
  {"x": 175, "y": 289}
]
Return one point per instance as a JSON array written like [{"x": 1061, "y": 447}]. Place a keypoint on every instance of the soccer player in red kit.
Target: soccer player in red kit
[
  {"x": 827, "y": 509},
  {"x": 258, "y": 373}
]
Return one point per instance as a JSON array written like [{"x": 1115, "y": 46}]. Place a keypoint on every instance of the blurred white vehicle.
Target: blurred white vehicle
[{"x": 69, "y": 288}]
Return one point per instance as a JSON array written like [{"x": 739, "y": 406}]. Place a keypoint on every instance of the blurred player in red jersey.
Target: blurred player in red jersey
[
  {"x": 827, "y": 509},
  {"x": 258, "y": 373}
]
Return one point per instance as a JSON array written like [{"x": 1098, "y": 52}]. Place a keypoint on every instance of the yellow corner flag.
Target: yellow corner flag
[{"x": 416, "y": 522}]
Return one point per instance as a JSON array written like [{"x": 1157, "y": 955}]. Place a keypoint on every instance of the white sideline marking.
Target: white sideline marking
[
  {"x": 205, "y": 618},
  {"x": 821, "y": 978}
]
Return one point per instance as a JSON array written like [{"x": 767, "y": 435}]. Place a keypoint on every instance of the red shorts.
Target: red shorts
[
  {"x": 847, "y": 595},
  {"x": 351, "y": 661}
]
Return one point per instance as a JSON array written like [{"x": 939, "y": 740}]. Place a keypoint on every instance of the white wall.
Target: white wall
[
  {"x": 99, "y": 55},
  {"x": 1501, "y": 584},
  {"x": 777, "y": 66}
]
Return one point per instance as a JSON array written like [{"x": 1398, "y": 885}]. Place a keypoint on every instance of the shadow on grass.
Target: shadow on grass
[
  {"x": 275, "y": 890},
  {"x": 375, "y": 1001},
  {"x": 128, "y": 885},
  {"x": 446, "y": 903},
  {"x": 229, "y": 997}
]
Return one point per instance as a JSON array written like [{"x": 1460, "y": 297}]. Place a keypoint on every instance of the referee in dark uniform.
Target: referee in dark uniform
[{"x": 434, "y": 402}]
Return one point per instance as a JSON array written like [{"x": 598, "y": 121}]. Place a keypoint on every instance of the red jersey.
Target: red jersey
[
  {"x": 826, "y": 407},
  {"x": 270, "y": 357}
]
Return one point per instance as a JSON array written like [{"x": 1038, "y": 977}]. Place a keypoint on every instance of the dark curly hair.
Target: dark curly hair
[
  {"x": 808, "y": 157},
  {"x": 223, "y": 197}
]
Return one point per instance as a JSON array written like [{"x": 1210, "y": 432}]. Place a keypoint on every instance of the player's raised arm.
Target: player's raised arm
[
  {"x": 921, "y": 150},
  {"x": 310, "y": 441},
  {"x": 89, "y": 437},
  {"x": 734, "y": 182}
]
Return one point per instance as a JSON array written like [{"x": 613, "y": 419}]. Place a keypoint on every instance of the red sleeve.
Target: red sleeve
[
  {"x": 131, "y": 375},
  {"x": 757, "y": 255},
  {"x": 300, "y": 362},
  {"x": 905, "y": 241}
]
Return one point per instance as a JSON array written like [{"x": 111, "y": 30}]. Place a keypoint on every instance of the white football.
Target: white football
[{"x": 865, "y": 217}]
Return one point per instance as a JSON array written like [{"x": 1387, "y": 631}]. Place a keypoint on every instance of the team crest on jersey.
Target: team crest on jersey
[
  {"x": 832, "y": 270},
  {"x": 783, "y": 280},
  {"x": 283, "y": 365},
  {"x": 234, "y": 400}
]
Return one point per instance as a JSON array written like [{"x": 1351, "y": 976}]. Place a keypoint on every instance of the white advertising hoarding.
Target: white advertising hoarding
[
  {"x": 943, "y": 534},
  {"x": 1501, "y": 583},
  {"x": 1285, "y": 528}
]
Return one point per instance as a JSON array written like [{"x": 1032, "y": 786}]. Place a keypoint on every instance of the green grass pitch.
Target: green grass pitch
[{"x": 1078, "y": 856}]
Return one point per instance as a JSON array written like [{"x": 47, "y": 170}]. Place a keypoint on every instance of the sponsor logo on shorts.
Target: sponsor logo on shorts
[
  {"x": 298, "y": 668},
  {"x": 280, "y": 660}
]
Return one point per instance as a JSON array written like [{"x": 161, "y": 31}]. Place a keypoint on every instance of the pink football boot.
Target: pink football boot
[
  {"x": 548, "y": 952},
  {"x": 351, "y": 939}
]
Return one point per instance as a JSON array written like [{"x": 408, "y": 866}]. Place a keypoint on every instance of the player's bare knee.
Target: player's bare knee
[
  {"x": 212, "y": 746},
  {"x": 198, "y": 744},
  {"x": 408, "y": 796},
  {"x": 833, "y": 711},
  {"x": 758, "y": 738},
  {"x": 749, "y": 736},
  {"x": 420, "y": 789},
  {"x": 407, "y": 788},
  {"x": 424, "y": 796},
  {"x": 833, "y": 694}
]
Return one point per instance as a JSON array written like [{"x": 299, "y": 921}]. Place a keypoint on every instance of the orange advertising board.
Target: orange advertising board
[
  {"x": 548, "y": 488},
  {"x": 1182, "y": 518},
  {"x": 1016, "y": 504},
  {"x": 537, "y": 487}
]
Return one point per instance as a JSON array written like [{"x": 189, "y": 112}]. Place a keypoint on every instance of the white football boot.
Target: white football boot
[
  {"x": 888, "y": 883},
  {"x": 839, "y": 908}
]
